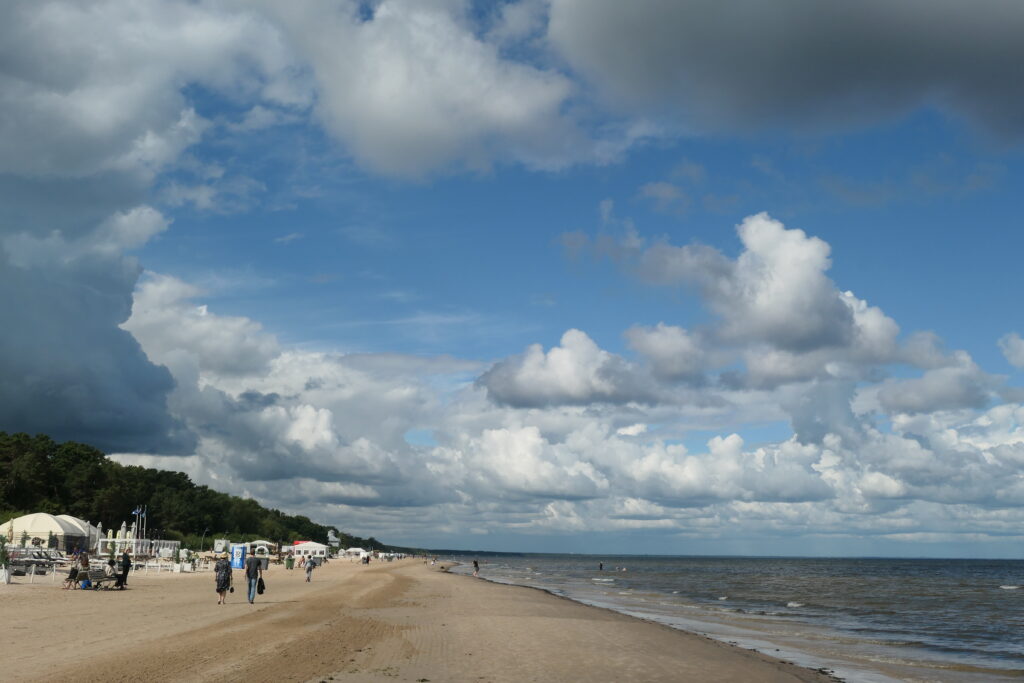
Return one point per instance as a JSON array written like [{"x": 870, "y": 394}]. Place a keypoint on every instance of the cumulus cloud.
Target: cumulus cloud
[
  {"x": 1012, "y": 347},
  {"x": 577, "y": 371},
  {"x": 413, "y": 88},
  {"x": 794, "y": 63},
  {"x": 777, "y": 310},
  {"x": 673, "y": 352},
  {"x": 168, "y": 325},
  {"x": 325, "y": 433},
  {"x": 963, "y": 385},
  {"x": 80, "y": 110}
]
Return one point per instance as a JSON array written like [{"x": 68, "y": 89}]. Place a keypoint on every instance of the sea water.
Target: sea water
[{"x": 870, "y": 620}]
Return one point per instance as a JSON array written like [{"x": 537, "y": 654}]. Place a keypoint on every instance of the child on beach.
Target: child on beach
[{"x": 310, "y": 564}]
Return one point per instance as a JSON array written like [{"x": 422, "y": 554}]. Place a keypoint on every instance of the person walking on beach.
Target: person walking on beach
[
  {"x": 253, "y": 574},
  {"x": 476, "y": 568},
  {"x": 310, "y": 564},
  {"x": 222, "y": 573},
  {"x": 126, "y": 566}
]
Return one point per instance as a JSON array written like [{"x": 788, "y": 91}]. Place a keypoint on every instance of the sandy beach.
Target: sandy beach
[{"x": 403, "y": 621}]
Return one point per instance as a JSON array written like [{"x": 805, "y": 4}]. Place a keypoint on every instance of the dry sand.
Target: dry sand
[{"x": 402, "y": 621}]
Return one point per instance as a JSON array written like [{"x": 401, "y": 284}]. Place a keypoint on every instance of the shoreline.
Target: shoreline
[
  {"x": 800, "y": 642},
  {"x": 401, "y": 621},
  {"x": 786, "y": 657}
]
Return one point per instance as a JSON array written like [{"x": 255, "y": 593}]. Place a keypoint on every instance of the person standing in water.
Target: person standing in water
[{"x": 476, "y": 568}]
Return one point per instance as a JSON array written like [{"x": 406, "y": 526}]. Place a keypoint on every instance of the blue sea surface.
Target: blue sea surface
[{"x": 866, "y": 619}]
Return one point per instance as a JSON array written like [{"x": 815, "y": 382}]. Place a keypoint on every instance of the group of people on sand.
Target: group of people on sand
[
  {"x": 223, "y": 575},
  {"x": 78, "y": 575}
]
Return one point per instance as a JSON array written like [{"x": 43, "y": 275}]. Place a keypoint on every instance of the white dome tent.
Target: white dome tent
[
  {"x": 40, "y": 525},
  {"x": 92, "y": 532}
]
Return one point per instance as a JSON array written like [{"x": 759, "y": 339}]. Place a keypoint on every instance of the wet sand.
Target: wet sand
[{"x": 402, "y": 621}]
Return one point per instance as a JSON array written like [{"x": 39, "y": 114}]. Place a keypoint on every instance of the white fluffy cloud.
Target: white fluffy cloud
[
  {"x": 326, "y": 434},
  {"x": 1012, "y": 347},
  {"x": 412, "y": 87},
  {"x": 109, "y": 99},
  {"x": 777, "y": 310},
  {"x": 577, "y": 371}
]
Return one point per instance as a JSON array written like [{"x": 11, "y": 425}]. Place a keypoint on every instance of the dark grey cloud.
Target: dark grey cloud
[
  {"x": 68, "y": 370},
  {"x": 751, "y": 64}
]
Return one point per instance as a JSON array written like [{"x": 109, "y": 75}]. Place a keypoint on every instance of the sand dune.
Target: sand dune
[{"x": 386, "y": 622}]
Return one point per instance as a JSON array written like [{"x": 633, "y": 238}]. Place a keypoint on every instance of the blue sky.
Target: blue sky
[{"x": 531, "y": 275}]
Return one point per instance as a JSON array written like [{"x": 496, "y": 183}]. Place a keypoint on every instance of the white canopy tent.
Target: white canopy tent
[
  {"x": 90, "y": 531},
  {"x": 43, "y": 526},
  {"x": 309, "y": 549}
]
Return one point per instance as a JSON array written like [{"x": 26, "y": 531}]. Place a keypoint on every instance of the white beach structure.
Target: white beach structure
[
  {"x": 127, "y": 539},
  {"x": 310, "y": 549},
  {"x": 354, "y": 552},
  {"x": 41, "y": 526},
  {"x": 92, "y": 532}
]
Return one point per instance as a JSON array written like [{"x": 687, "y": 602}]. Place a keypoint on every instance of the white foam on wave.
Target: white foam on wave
[
  {"x": 723, "y": 597},
  {"x": 604, "y": 580},
  {"x": 794, "y": 604},
  {"x": 1009, "y": 588}
]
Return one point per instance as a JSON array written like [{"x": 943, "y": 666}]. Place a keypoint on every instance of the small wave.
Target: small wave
[
  {"x": 603, "y": 580},
  {"x": 794, "y": 604},
  {"x": 723, "y": 597},
  {"x": 1009, "y": 588}
]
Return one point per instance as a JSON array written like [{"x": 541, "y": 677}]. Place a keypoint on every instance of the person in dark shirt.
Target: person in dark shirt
[
  {"x": 253, "y": 574},
  {"x": 126, "y": 566}
]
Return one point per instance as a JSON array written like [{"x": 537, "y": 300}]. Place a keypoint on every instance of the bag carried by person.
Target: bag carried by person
[{"x": 260, "y": 586}]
